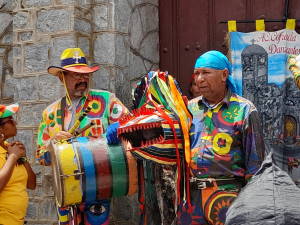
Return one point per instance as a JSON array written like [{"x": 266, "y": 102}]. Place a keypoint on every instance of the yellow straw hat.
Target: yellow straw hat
[{"x": 72, "y": 59}]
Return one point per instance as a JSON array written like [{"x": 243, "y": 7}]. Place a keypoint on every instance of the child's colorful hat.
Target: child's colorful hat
[
  {"x": 6, "y": 111},
  {"x": 73, "y": 59}
]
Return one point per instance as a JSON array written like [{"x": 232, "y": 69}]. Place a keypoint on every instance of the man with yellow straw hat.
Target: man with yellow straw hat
[{"x": 60, "y": 120}]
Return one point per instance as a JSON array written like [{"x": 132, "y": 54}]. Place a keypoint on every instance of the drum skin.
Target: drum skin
[{"x": 86, "y": 169}]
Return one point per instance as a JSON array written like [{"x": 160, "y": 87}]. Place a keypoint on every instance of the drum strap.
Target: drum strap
[{"x": 62, "y": 108}]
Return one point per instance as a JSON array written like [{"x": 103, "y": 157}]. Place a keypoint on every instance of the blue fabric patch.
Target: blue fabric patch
[{"x": 71, "y": 61}]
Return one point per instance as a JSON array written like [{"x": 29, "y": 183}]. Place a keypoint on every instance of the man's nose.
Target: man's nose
[{"x": 82, "y": 78}]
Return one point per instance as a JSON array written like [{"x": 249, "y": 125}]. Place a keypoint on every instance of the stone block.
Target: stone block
[
  {"x": 7, "y": 38},
  {"x": 65, "y": 2},
  {"x": 48, "y": 184},
  {"x": 154, "y": 2},
  {"x": 135, "y": 29},
  {"x": 101, "y": 1},
  {"x": 136, "y": 66},
  {"x": 101, "y": 79},
  {"x": 25, "y": 136},
  {"x": 57, "y": 47},
  {"x": 2, "y": 51},
  {"x": 36, "y": 3},
  {"x": 53, "y": 20},
  {"x": 83, "y": 13},
  {"x": 17, "y": 65},
  {"x": 101, "y": 19},
  {"x": 9, "y": 87},
  {"x": 122, "y": 87},
  {"x": 37, "y": 193},
  {"x": 151, "y": 66},
  {"x": 32, "y": 210},
  {"x": 121, "y": 17},
  {"x": 50, "y": 88},
  {"x": 25, "y": 36},
  {"x": 122, "y": 49},
  {"x": 21, "y": 20},
  {"x": 5, "y": 19},
  {"x": 150, "y": 18},
  {"x": 39, "y": 172},
  {"x": 8, "y": 5},
  {"x": 85, "y": 3},
  {"x": 17, "y": 51},
  {"x": 112, "y": 83},
  {"x": 47, "y": 209},
  {"x": 104, "y": 50},
  {"x": 1, "y": 64},
  {"x": 84, "y": 44},
  {"x": 10, "y": 58},
  {"x": 150, "y": 47},
  {"x": 83, "y": 26},
  {"x": 31, "y": 114},
  {"x": 36, "y": 57}
]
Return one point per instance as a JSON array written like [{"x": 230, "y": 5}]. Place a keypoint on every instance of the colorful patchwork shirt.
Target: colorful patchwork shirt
[
  {"x": 105, "y": 109},
  {"x": 226, "y": 138}
]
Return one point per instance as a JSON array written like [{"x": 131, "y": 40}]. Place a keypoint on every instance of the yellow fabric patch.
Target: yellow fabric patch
[
  {"x": 231, "y": 25},
  {"x": 222, "y": 143},
  {"x": 290, "y": 24},
  {"x": 260, "y": 25}
]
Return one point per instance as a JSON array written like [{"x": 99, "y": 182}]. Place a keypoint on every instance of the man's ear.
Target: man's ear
[{"x": 225, "y": 75}]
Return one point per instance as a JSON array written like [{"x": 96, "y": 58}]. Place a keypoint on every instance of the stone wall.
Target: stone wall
[{"x": 120, "y": 35}]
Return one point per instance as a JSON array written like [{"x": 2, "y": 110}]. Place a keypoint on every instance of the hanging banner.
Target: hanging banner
[{"x": 260, "y": 68}]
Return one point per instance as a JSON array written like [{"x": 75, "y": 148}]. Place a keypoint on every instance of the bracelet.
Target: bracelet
[{"x": 23, "y": 159}]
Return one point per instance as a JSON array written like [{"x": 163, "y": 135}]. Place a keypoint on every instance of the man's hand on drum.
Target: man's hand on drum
[{"x": 62, "y": 135}]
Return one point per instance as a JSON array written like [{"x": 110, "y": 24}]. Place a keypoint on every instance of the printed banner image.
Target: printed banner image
[{"x": 259, "y": 61}]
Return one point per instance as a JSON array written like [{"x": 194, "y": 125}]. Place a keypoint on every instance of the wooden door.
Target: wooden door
[{"x": 188, "y": 28}]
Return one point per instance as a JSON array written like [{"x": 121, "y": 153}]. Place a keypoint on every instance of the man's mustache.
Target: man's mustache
[{"x": 81, "y": 83}]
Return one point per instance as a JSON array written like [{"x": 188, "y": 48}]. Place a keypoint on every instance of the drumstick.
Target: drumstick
[
  {"x": 77, "y": 122},
  {"x": 77, "y": 132}
]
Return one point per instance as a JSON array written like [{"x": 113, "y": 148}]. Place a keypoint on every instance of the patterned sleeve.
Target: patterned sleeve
[
  {"x": 253, "y": 144},
  {"x": 42, "y": 154},
  {"x": 116, "y": 109}
]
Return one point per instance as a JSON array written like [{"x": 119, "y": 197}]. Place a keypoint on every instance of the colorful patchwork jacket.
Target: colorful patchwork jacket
[
  {"x": 106, "y": 109},
  {"x": 226, "y": 138}
]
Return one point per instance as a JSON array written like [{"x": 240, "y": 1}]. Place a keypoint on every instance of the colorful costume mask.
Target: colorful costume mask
[
  {"x": 158, "y": 134},
  {"x": 158, "y": 130}
]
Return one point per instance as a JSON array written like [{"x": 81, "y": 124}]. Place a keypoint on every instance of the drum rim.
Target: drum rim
[{"x": 58, "y": 182}]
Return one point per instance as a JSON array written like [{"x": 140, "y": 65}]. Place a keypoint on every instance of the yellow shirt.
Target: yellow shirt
[{"x": 14, "y": 197}]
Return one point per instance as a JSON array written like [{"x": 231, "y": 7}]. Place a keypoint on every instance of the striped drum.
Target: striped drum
[{"x": 87, "y": 169}]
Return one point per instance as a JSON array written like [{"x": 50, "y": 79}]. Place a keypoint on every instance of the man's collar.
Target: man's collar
[
  {"x": 81, "y": 99},
  {"x": 226, "y": 100}
]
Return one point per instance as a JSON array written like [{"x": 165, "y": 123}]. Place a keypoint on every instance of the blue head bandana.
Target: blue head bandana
[{"x": 218, "y": 61}]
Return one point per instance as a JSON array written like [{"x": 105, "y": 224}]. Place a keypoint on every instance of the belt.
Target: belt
[{"x": 202, "y": 183}]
